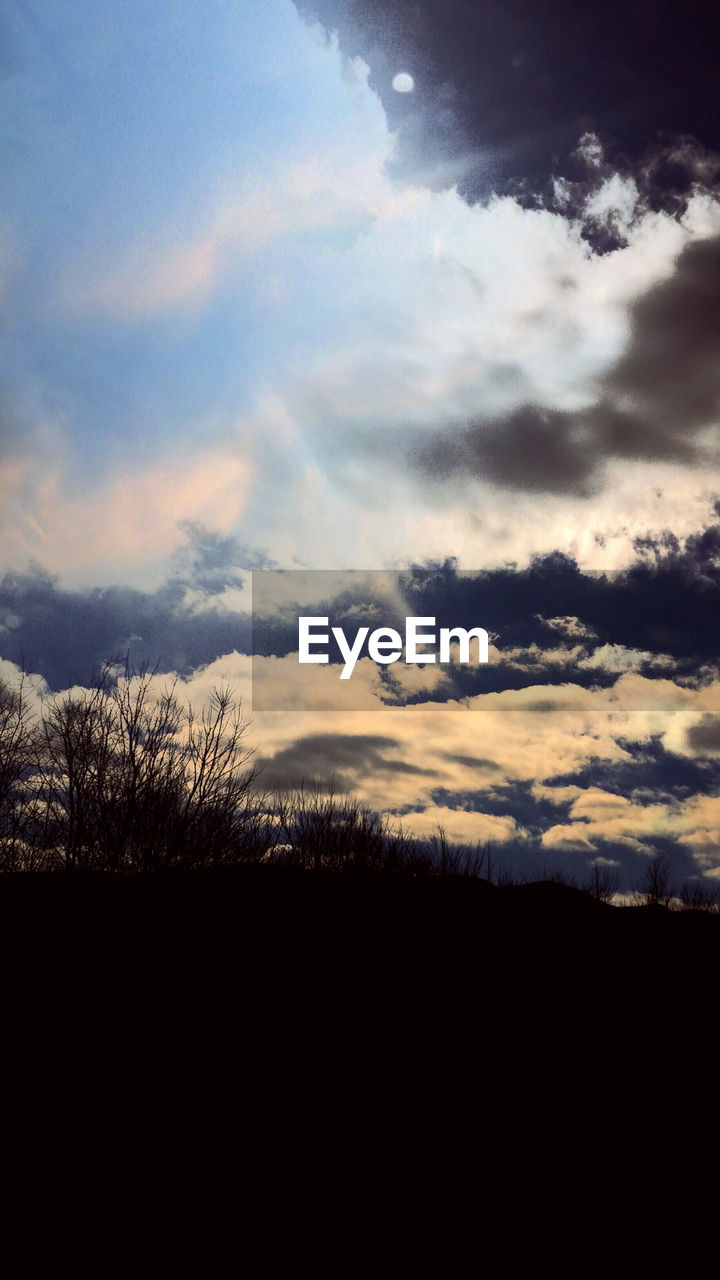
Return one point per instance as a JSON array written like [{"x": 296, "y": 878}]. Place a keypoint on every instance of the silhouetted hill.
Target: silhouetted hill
[
  {"x": 396, "y": 988},
  {"x": 359, "y": 916}
]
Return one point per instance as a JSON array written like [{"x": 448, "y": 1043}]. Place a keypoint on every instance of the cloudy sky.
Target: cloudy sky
[{"x": 348, "y": 285}]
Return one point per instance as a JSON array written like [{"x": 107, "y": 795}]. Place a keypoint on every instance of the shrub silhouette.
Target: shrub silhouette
[
  {"x": 699, "y": 897},
  {"x": 324, "y": 831},
  {"x": 319, "y": 830},
  {"x": 459, "y": 859}
]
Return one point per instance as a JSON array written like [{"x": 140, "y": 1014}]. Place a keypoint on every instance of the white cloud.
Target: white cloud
[
  {"x": 463, "y": 826},
  {"x": 614, "y": 204}
]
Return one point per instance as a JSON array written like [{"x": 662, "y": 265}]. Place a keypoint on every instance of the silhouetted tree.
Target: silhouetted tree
[
  {"x": 18, "y": 743},
  {"x": 603, "y": 882},
  {"x": 656, "y": 888},
  {"x": 135, "y": 778}
]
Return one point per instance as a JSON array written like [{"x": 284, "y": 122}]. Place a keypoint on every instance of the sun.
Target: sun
[{"x": 403, "y": 82}]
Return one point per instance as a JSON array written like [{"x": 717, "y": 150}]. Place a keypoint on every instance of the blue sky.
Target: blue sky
[{"x": 142, "y": 134}]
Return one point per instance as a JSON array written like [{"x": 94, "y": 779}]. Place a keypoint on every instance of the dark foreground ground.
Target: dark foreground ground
[
  {"x": 356, "y": 912},
  {"x": 244, "y": 929},
  {"x": 273, "y": 998}
]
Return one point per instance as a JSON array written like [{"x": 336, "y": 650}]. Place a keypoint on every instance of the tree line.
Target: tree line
[
  {"x": 129, "y": 776},
  {"x": 126, "y": 776},
  {"x": 121, "y": 776}
]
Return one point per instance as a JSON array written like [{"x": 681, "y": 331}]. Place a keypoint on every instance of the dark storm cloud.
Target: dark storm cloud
[
  {"x": 652, "y": 403},
  {"x": 629, "y": 863},
  {"x": 650, "y": 774},
  {"x": 667, "y": 603},
  {"x": 504, "y": 601},
  {"x": 624, "y": 609},
  {"x": 210, "y": 562},
  {"x": 704, "y": 738},
  {"x": 341, "y": 758},
  {"x": 672, "y": 365},
  {"x": 67, "y": 635},
  {"x": 519, "y": 81},
  {"x": 528, "y": 858},
  {"x": 553, "y": 624},
  {"x": 514, "y": 799},
  {"x": 502, "y": 675},
  {"x": 538, "y": 450},
  {"x": 473, "y": 762},
  {"x": 666, "y": 174},
  {"x": 671, "y": 170}
]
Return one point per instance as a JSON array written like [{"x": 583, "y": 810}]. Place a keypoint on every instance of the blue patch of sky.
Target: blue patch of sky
[{"x": 124, "y": 121}]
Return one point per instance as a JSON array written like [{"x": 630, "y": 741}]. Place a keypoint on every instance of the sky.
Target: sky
[{"x": 424, "y": 287}]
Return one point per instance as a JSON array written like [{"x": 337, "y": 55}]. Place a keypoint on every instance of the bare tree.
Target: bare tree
[
  {"x": 603, "y": 882},
  {"x": 77, "y": 778},
  {"x": 133, "y": 777},
  {"x": 656, "y": 888},
  {"x": 18, "y": 739}
]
